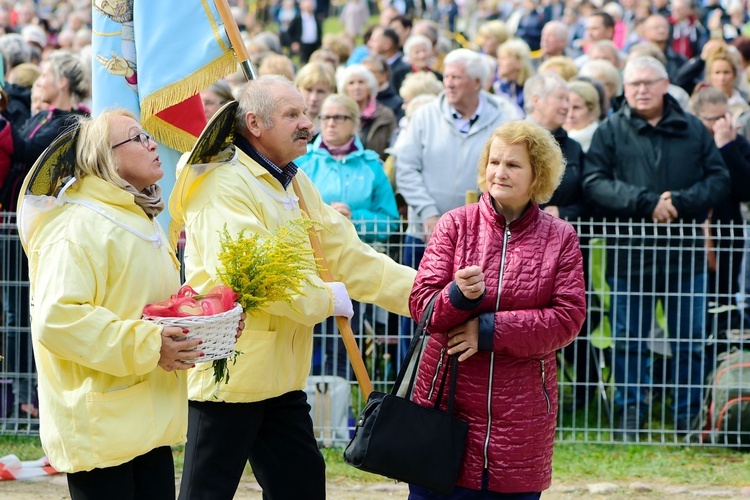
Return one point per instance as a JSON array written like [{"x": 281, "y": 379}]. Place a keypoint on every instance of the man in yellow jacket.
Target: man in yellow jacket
[{"x": 261, "y": 414}]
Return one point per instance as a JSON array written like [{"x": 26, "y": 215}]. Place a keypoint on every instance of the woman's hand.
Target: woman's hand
[
  {"x": 343, "y": 209},
  {"x": 470, "y": 281},
  {"x": 240, "y": 326},
  {"x": 175, "y": 350},
  {"x": 464, "y": 339}
]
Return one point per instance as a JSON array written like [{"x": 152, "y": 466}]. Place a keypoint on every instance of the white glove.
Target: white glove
[{"x": 342, "y": 304}]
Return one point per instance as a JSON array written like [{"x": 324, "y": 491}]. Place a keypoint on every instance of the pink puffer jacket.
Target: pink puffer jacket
[{"x": 507, "y": 392}]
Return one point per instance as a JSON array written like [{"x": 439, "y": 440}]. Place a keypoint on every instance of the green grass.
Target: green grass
[{"x": 572, "y": 463}]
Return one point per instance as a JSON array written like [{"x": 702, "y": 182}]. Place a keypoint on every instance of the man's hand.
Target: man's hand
[
  {"x": 175, "y": 350},
  {"x": 664, "y": 211},
  {"x": 724, "y": 131},
  {"x": 464, "y": 339},
  {"x": 429, "y": 226},
  {"x": 470, "y": 280}
]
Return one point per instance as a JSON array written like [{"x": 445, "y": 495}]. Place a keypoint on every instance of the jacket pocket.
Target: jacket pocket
[
  {"x": 255, "y": 367},
  {"x": 121, "y": 424}
]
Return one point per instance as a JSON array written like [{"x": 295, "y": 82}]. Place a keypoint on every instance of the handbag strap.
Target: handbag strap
[
  {"x": 451, "y": 387},
  {"x": 415, "y": 342}
]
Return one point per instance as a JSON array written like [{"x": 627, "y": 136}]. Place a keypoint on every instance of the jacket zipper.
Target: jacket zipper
[
  {"x": 506, "y": 239},
  {"x": 437, "y": 370},
  {"x": 544, "y": 386}
]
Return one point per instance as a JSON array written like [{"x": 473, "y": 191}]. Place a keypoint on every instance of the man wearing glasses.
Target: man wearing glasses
[{"x": 653, "y": 162}]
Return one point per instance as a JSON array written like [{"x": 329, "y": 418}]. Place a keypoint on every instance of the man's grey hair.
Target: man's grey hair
[
  {"x": 644, "y": 62},
  {"x": 541, "y": 85},
  {"x": 255, "y": 97},
  {"x": 472, "y": 62},
  {"x": 558, "y": 28},
  {"x": 269, "y": 40}
]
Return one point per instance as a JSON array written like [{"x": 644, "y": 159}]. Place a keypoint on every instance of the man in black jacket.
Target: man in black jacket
[
  {"x": 305, "y": 31},
  {"x": 652, "y": 162}
]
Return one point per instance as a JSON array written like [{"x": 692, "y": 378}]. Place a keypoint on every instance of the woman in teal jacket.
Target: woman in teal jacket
[{"x": 350, "y": 178}]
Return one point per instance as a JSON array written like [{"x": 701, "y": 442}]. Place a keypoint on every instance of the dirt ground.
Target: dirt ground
[{"x": 55, "y": 488}]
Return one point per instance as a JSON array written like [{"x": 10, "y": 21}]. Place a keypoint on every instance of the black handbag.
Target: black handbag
[{"x": 400, "y": 439}]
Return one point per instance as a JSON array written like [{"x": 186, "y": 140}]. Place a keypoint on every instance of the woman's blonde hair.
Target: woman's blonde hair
[
  {"x": 562, "y": 65},
  {"x": 421, "y": 82},
  {"x": 94, "y": 153},
  {"x": 277, "y": 64},
  {"x": 496, "y": 29},
  {"x": 25, "y": 74},
  {"x": 588, "y": 93},
  {"x": 515, "y": 47},
  {"x": 344, "y": 100},
  {"x": 314, "y": 73},
  {"x": 547, "y": 162},
  {"x": 66, "y": 65}
]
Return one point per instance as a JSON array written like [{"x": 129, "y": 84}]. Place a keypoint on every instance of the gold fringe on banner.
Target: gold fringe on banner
[{"x": 177, "y": 92}]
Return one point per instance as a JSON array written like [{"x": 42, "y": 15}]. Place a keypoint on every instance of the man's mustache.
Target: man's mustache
[{"x": 302, "y": 134}]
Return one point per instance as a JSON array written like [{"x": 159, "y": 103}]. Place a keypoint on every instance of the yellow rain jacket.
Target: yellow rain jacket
[
  {"x": 276, "y": 345},
  {"x": 103, "y": 399}
]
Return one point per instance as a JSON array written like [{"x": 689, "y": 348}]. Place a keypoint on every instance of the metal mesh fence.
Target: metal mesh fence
[{"x": 666, "y": 308}]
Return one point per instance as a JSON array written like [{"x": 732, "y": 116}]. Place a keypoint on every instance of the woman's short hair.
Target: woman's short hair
[
  {"x": 415, "y": 41},
  {"x": 351, "y": 107},
  {"x": 358, "y": 70},
  {"x": 562, "y": 65},
  {"x": 24, "y": 74},
  {"x": 66, "y": 65},
  {"x": 314, "y": 73},
  {"x": 339, "y": 44},
  {"x": 515, "y": 47},
  {"x": 599, "y": 87},
  {"x": 475, "y": 68},
  {"x": 94, "y": 153},
  {"x": 222, "y": 89},
  {"x": 277, "y": 64},
  {"x": 547, "y": 162},
  {"x": 588, "y": 93},
  {"x": 496, "y": 29},
  {"x": 421, "y": 82},
  {"x": 706, "y": 96},
  {"x": 605, "y": 72},
  {"x": 541, "y": 86}
]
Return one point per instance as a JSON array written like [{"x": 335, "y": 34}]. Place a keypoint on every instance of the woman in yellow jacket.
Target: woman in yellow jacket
[{"x": 112, "y": 386}]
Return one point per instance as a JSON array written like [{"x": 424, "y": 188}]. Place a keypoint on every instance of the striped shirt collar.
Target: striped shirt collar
[{"x": 283, "y": 175}]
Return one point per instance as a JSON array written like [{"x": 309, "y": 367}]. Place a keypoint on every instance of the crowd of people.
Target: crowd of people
[{"x": 453, "y": 118}]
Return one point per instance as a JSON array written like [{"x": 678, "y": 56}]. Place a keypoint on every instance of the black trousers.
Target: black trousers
[
  {"x": 275, "y": 436},
  {"x": 150, "y": 476}
]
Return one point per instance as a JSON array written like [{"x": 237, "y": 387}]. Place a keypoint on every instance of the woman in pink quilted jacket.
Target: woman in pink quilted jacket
[{"x": 509, "y": 279}]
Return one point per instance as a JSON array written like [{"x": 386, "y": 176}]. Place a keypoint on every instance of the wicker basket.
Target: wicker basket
[{"x": 218, "y": 332}]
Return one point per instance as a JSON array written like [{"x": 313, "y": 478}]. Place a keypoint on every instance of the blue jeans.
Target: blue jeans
[{"x": 684, "y": 298}]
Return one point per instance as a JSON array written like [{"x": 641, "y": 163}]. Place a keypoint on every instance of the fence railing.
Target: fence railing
[{"x": 666, "y": 304}]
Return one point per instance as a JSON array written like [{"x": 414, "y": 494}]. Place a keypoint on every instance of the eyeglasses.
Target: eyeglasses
[
  {"x": 142, "y": 137},
  {"x": 712, "y": 119},
  {"x": 649, "y": 84},
  {"x": 338, "y": 119}
]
